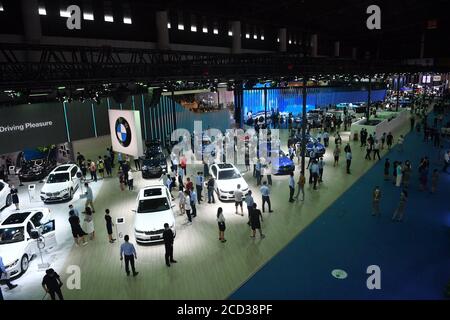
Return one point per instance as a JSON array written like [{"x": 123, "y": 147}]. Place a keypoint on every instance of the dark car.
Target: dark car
[
  {"x": 311, "y": 142},
  {"x": 36, "y": 164},
  {"x": 36, "y": 169},
  {"x": 154, "y": 166},
  {"x": 154, "y": 162},
  {"x": 314, "y": 119}
]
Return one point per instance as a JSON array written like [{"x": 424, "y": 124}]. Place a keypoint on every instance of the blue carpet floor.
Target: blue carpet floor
[{"x": 413, "y": 255}]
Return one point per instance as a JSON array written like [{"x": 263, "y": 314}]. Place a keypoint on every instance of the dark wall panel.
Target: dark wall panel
[
  {"x": 16, "y": 133},
  {"x": 101, "y": 117},
  {"x": 79, "y": 117}
]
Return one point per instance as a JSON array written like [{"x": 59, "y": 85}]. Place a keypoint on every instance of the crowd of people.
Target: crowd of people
[{"x": 193, "y": 191}]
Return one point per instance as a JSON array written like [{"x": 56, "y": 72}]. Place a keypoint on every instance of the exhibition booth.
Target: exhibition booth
[
  {"x": 383, "y": 122},
  {"x": 290, "y": 100}
]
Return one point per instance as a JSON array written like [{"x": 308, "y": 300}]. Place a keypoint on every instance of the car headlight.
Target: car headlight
[
  {"x": 42, "y": 192},
  {"x": 144, "y": 167},
  {"x": 139, "y": 231},
  {"x": 12, "y": 264},
  {"x": 222, "y": 190}
]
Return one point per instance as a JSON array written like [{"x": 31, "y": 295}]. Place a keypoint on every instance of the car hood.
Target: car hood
[
  {"x": 231, "y": 184},
  {"x": 54, "y": 187},
  {"x": 283, "y": 162},
  {"x": 11, "y": 252},
  {"x": 153, "y": 220}
]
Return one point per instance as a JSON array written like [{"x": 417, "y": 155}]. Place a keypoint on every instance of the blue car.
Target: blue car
[{"x": 281, "y": 163}]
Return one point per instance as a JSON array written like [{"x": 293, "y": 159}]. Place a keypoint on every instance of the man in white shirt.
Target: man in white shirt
[
  {"x": 174, "y": 160},
  {"x": 238, "y": 195},
  {"x": 265, "y": 192},
  {"x": 348, "y": 156},
  {"x": 268, "y": 172},
  {"x": 376, "y": 150}
]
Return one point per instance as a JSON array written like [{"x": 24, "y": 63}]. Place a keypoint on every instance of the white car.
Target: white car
[
  {"x": 20, "y": 234},
  {"x": 153, "y": 209},
  {"x": 226, "y": 178},
  {"x": 61, "y": 183},
  {"x": 5, "y": 197}
]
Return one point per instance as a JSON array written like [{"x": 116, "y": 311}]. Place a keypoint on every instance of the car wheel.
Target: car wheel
[
  {"x": 24, "y": 263},
  {"x": 71, "y": 194},
  {"x": 8, "y": 200}
]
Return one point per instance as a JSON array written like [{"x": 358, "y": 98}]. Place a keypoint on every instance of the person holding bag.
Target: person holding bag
[{"x": 221, "y": 224}]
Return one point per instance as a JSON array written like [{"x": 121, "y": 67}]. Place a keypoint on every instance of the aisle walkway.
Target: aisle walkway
[{"x": 414, "y": 255}]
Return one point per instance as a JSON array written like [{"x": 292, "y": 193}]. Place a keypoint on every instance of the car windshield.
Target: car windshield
[
  {"x": 155, "y": 161},
  {"x": 153, "y": 205},
  {"x": 228, "y": 174},
  {"x": 58, "y": 178},
  {"x": 11, "y": 235}
]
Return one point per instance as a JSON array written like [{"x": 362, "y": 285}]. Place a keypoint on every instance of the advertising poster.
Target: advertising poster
[
  {"x": 31, "y": 125},
  {"x": 126, "y": 135}
]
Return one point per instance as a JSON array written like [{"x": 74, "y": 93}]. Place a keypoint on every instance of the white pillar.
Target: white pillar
[
  {"x": 282, "y": 35},
  {"x": 162, "y": 30},
  {"x": 236, "y": 30},
  {"x": 337, "y": 46},
  {"x": 314, "y": 44},
  {"x": 31, "y": 21}
]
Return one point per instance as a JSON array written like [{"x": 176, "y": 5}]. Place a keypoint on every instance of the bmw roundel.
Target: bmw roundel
[{"x": 123, "y": 132}]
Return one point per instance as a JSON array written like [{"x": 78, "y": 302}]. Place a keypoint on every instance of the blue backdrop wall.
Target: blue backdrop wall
[{"x": 291, "y": 100}]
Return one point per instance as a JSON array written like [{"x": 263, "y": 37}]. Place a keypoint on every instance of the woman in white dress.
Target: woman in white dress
[{"x": 89, "y": 223}]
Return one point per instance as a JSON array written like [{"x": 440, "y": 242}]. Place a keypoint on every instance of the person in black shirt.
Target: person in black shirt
[
  {"x": 15, "y": 196},
  {"x": 255, "y": 222},
  {"x": 109, "y": 226},
  {"x": 347, "y": 148},
  {"x": 80, "y": 159},
  {"x": 210, "y": 187},
  {"x": 111, "y": 156},
  {"x": 389, "y": 140},
  {"x": 387, "y": 165},
  {"x": 168, "y": 243},
  {"x": 107, "y": 162},
  {"x": 77, "y": 232},
  {"x": 52, "y": 284}
]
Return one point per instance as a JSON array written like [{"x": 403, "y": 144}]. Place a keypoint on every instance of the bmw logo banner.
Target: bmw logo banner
[{"x": 126, "y": 136}]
